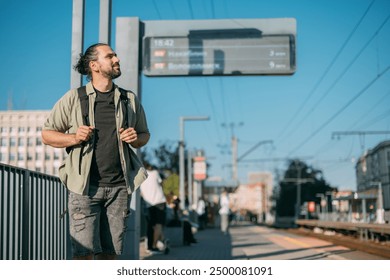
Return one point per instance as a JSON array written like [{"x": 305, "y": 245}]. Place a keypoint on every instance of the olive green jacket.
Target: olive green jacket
[{"x": 66, "y": 117}]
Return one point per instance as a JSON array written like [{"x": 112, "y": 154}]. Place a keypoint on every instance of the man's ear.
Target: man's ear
[{"x": 93, "y": 65}]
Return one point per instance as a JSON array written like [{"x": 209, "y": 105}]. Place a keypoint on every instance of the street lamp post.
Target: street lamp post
[{"x": 181, "y": 154}]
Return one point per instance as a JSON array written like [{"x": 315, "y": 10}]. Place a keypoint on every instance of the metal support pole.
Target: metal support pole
[
  {"x": 329, "y": 206},
  {"x": 364, "y": 210},
  {"x": 77, "y": 41},
  {"x": 380, "y": 211},
  {"x": 197, "y": 190},
  {"x": 105, "y": 21},
  {"x": 350, "y": 204},
  {"x": 380, "y": 204},
  {"x": 181, "y": 163},
  {"x": 128, "y": 49},
  {"x": 298, "y": 210},
  {"x": 321, "y": 196},
  {"x": 181, "y": 155},
  {"x": 190, "y": 181}
]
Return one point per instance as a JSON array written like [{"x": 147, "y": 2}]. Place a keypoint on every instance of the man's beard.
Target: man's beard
[
  {"x": 112, "y": 74},
  {"x": 115, "y": 74}
]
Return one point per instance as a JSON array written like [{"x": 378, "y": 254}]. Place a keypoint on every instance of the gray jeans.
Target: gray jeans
[{"x": 97, "y": 221}]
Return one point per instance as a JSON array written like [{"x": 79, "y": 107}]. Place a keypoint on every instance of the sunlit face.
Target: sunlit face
[{"x": 107, "y": 63}]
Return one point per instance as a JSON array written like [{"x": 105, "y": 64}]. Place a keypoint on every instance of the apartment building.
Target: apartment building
[
  {"x": 21, "y": 144},
  {"x": 373, "y": 175}
]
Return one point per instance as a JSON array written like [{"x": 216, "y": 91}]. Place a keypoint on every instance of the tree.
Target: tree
[
  {"x": 311, "y": 181},
  {"x": 171, "y": 185},
  {"x": 165, "y": 157}
]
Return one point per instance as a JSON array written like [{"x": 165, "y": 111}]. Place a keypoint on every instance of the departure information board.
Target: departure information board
[{"x": 232, "y": 53}]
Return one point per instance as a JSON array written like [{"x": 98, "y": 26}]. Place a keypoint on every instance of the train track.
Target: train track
[{"x": 376, "y": 248}]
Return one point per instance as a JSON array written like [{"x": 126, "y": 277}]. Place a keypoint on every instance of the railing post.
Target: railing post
[{"x": 25, "y": 216}]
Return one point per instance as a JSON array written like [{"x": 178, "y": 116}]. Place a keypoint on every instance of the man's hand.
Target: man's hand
[
  {"x": 58, "y": 139},
  {"x": 84, "y": 133},
  {"x": 128, "y": 135}
]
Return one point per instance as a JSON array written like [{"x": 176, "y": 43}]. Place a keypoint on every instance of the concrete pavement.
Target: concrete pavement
[
  {"x": 212, "y": 245},
  {"x": 247, "y": 241}
]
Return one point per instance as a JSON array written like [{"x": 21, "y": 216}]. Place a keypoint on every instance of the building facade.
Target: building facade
[
  {"x": 373, "y": 175},
  {"x": 21, "y": 144},
  {"x": 255, "y": 196}
]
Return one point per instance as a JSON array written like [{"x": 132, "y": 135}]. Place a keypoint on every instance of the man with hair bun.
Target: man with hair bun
[{"x": 102, "y": 170}]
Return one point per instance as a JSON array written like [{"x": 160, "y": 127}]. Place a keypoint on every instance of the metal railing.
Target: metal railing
[
  {"x": 33, "y": 224},
  {"x": 364, "y": 230}
]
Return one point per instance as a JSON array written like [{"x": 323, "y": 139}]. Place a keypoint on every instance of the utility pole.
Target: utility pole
[
  {"x": 298, "y": 181},
  {"x": 234, "y": 143},
  {"x": 234, "y": 159},
  {"x": 299, "y": 191}
]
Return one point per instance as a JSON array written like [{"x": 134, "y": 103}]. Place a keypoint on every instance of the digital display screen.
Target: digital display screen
[{"x": 229, "y": 53}]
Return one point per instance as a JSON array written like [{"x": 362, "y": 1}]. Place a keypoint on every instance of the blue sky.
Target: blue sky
[{"x": 341, "y": 82}]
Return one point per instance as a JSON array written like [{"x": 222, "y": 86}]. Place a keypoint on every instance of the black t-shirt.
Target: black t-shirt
[{"x": 106, "y": 169}]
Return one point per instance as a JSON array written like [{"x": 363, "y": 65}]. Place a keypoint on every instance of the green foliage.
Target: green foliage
[
  {"x": 171, "y": 185},
  {"x": 311, "y": 181},
  {"x": 165, "y": 157}
]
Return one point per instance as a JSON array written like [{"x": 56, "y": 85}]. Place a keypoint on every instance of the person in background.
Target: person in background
[
  {"x": 176, "y": 209},
  {"x": 101, "y": 171},
  {"x": 224, "y": 211},
  {"x": 154, "y": 197},
  {"x": 202, "y": 214}
]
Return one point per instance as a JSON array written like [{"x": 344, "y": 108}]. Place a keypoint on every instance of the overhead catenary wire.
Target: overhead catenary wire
[
  {"x": 223, "y": 100},
  {"x": 191, "y": 94},
  {"x": 212, "y": 9},
  {"x": 366, "y": 113},
  {"x": 190, "y": 9},
  {"x": 157, "y": 9},
  {"x": 313, "y": 90},
  {"x": 186, "y": 80},
  {"x": 173, "y": 9},
  {"x": 215, "y": 118},
  {"x": 225, "y": 115},
  {"x": 378, "y": 118},
  {"x": 345, "y": 70},
  {"x": 340, "y": 110}
]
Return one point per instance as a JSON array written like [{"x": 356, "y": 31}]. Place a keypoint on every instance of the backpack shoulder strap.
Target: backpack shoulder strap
[
  {"x": 124, "y": 97},
  {"x": 125, "y": 104},
  {"x": 84, "y": 104}
]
